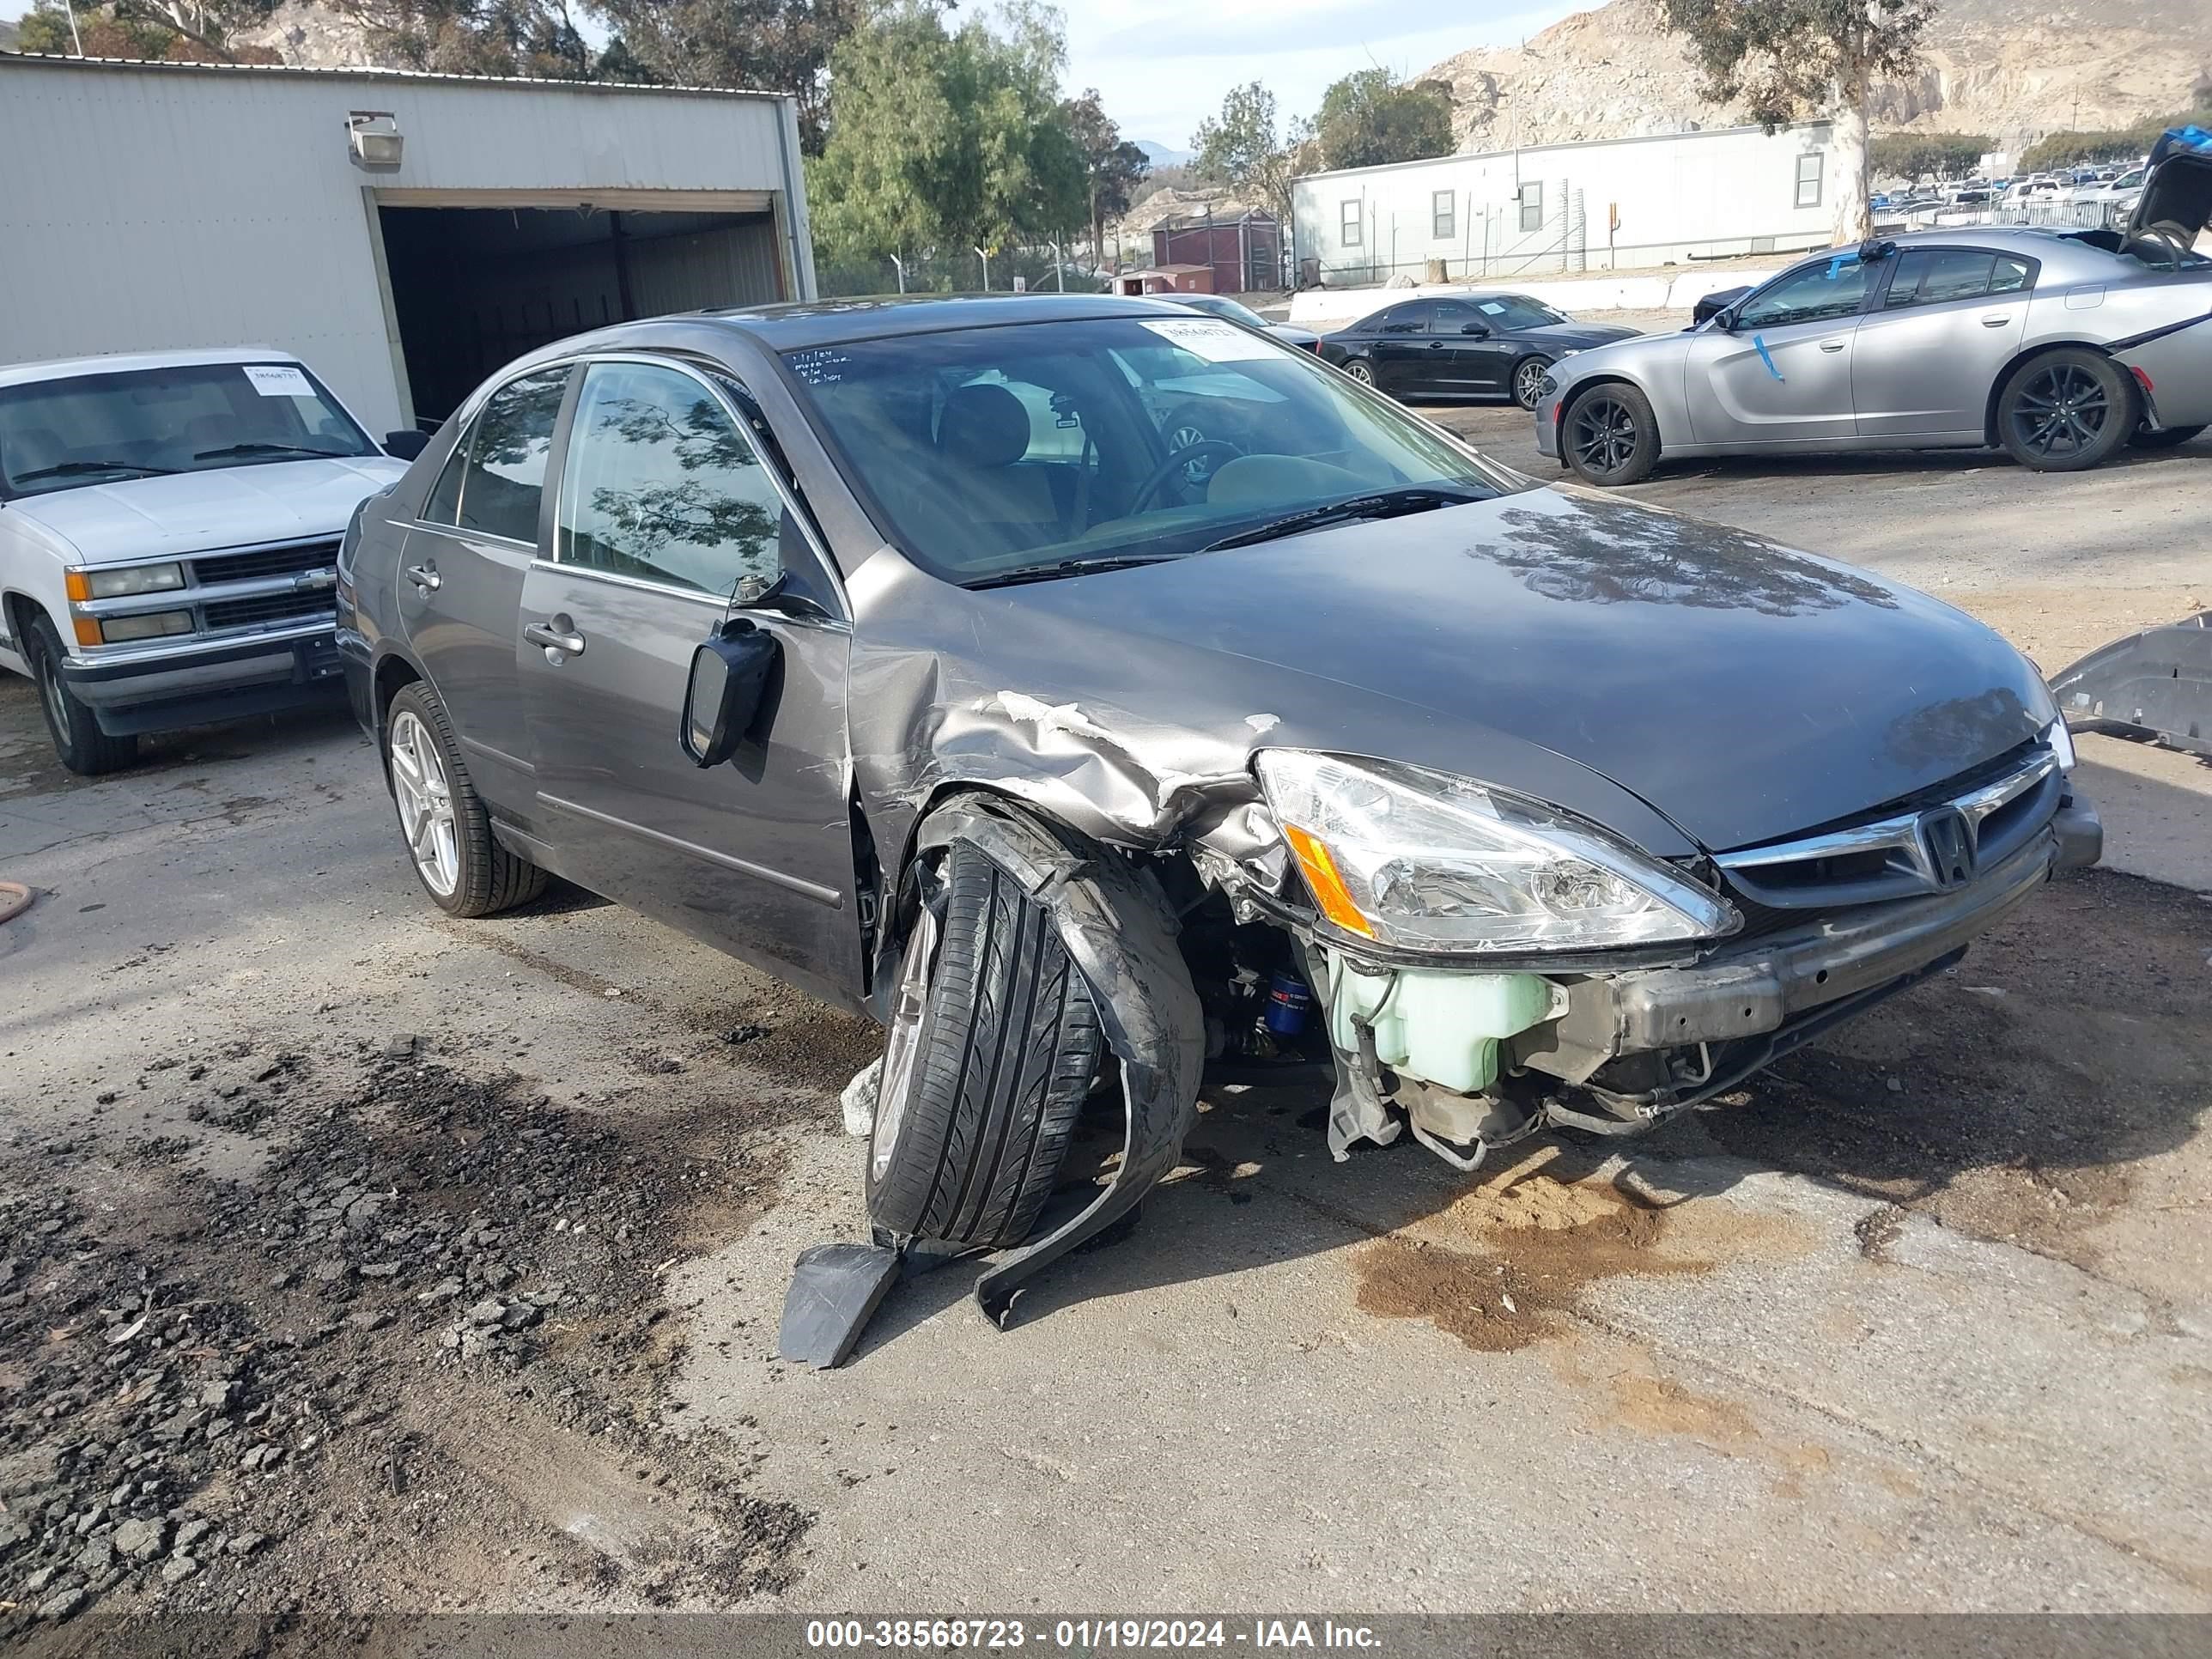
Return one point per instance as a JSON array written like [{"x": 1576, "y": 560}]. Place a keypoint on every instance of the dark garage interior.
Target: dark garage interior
[{"x": 473, "y": 288}]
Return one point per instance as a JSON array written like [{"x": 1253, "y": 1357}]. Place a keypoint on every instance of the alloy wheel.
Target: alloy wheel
[
  {"x": 1184, "y": 437},
  {"x": 902, "y": 1043},
  {"x": 2061, "y": 411},
  {"x": 425, "y": 798},
  {"x": 1528, "y": 383},
  {"x": 1361, "y": 371},
  {"x": 1603, "y": 433}
]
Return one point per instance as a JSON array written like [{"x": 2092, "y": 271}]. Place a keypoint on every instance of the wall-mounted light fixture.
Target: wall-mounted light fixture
[{"x": 373, "y": 139}]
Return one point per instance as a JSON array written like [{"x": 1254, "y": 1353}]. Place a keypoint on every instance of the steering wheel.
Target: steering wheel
[{"x": 1168, "y": 468}]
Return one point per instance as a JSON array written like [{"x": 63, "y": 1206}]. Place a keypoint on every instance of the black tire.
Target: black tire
[
  {"x": 1005, "y": 1046},
  {"x": 2067, "y": 410},
  {"x": 2163, "y": 437},
  {"x": 1609, "y": 435},
  {"x": 83, "y": 747},
  {"x": 489, "y": 878},
  {"x": 1527, "y": 380},
  {"x": 1360, "y": 370}
]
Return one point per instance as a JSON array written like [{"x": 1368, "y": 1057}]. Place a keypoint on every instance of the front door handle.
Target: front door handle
[
  {"x": 425, "y": 576},
  {"x": 556, "y": 636},
  {"x": 1436, "y": 345},
  {"x": 1996, "y": 319},
  {"x": 1832, "y": 345}
]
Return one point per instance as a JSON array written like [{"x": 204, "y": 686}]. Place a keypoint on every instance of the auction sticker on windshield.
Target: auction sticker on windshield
[
  {"x": 274, "y": 382},
  {"x": 1212, "y": 339}
]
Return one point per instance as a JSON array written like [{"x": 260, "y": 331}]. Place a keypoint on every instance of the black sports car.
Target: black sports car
[{"x": 1464, "y": 345}]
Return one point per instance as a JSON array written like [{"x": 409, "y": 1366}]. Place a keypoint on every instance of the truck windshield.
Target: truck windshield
[
  {"x": 80, "y": 429},
  {"x": 1033, "y": 449}
]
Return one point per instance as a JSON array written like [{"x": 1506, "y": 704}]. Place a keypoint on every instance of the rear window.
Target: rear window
[{"x": 503, "y": 478}]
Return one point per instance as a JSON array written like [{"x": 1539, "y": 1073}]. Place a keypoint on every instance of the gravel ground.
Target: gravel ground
[{"x": 355, "y": 1260}]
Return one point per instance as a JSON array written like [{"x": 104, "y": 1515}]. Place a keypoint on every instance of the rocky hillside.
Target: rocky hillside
[{"x": 2012, "y": 70}]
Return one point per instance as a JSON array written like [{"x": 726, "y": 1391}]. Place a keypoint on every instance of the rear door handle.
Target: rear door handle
[
  {"x": 557, "y": 640},
  {"x": 1832, "y": 345},
  {"x": 425, "y": 576},
  {"x": 1996, "y": 319}
]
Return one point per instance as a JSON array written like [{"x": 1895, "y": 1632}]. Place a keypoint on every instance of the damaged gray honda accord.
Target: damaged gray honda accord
[{"x": 1087, "y": 691}]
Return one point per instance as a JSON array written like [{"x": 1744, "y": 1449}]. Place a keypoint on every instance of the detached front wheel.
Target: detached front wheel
[{"x": 993, "y": 1044}]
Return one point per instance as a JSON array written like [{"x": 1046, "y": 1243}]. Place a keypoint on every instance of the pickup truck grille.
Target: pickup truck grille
[
  {"x": 264, "y": 562},
  {"x": 1928, "y": 846},
  {"x": 265, "y": 608}
]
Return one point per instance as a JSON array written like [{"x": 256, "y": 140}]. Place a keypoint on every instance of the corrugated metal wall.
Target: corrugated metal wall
[{"x": 143, "y": 207}]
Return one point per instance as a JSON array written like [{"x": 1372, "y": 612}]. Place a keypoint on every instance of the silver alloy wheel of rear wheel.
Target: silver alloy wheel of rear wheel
[
  {"x": 903, "y": 1042},
  {"x": 1528, "y": 382},
  {"x": 1603, "y": 433},
  {"x": 425, "y": 798},
  {"x": 1361, "y": 371}
]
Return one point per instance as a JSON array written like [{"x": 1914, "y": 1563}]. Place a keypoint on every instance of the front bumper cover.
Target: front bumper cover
[
  {"x": 157, "y": 690},
  {"x": 1760, "y": 985}
]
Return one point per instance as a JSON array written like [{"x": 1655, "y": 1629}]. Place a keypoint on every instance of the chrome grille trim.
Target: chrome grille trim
[{"x": 1890, "y": 857}]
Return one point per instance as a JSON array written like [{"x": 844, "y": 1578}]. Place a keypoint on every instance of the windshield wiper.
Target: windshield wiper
[
  {"x": 269, "y": 449},
  {"x": 1053, "y": 573},
  {"x": 70, "y": 469},
  {"x": 1384, "y": 504}
]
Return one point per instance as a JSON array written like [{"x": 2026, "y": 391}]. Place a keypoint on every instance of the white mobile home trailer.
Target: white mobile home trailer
[
  {"x": 404, "y": 233},
  {"x": 1606, "y": 204}
]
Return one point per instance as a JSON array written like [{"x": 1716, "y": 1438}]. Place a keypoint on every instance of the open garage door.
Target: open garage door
[{"x": 474, "y": 283}]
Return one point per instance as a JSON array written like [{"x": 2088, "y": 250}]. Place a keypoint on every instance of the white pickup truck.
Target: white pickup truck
[{"x": 169, "y": 527}]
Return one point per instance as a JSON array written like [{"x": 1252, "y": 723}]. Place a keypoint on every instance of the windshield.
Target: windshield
[
  {"x": 99, "y": 428},
  {"x": 1214, "y": 305},
  {"x": 1518, "y": 311},
  {"x": 989, "y": 451}
]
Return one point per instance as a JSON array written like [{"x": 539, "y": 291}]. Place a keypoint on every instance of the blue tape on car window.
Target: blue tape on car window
[{"x": 1759, "y": 341}]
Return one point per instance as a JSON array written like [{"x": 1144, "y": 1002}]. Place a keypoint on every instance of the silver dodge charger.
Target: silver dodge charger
[{"x": 2058, "y": 344}]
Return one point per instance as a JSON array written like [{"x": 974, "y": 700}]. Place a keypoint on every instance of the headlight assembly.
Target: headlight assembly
[
  {"x": 123, "y": 581},
  {"x": 1421, "y": 860}
]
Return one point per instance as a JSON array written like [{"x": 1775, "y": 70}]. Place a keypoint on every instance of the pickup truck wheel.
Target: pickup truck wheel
[
  {"x": 83, "y": 747},
  {"x": 993, "y": 1044},
  {"x": 461, "y": 864}
]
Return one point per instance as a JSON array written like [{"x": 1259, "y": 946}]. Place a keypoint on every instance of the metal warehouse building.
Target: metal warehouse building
[
  {"x": 403, "y": 234},
  {"x": 1607, "y": 205}
]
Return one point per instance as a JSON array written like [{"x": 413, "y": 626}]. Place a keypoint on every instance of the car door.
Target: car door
[
  {"x": 1471, "y": 359},
  {"x": 667, "y": 519},
  {"x": 1925, "y": 357},
  {"x": 1397, "y": 346},
  {"x": 1781, "y": 372},
  {"x": 461, "y": 575}
]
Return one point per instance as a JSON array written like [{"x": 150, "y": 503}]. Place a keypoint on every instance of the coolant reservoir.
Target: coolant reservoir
[{"x": 1442, "y": 1027}]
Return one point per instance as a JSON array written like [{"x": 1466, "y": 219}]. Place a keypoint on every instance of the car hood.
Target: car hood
[
  {"x": 2177, "y": 186},
  {"x": 136, "y": 519},
  {"x": 1578, "y": 337},
  {"x": 1668, "y": 677}
]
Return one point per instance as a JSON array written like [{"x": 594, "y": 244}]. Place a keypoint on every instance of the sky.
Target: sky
[{"x": 1162, "y": 65}]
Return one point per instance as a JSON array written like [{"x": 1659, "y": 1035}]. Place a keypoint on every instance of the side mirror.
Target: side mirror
[
  {"x": 1480, "y": 331},
  {"x": 729, "y": 677},
  {"x": 405, "y": 445}
]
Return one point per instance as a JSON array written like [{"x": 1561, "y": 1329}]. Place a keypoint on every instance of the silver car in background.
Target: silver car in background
[{"x": 2059, "y": 345}]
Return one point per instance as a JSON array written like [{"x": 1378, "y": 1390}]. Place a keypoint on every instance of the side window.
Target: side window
[
  {"x": 2011, "y": 275},
  {"x": 663, "y": 485},
  {"x": 1404, "y": 319},
  {"x": 1930, "y": 275},
  {"x": 505, "y": 479},
  {"x": 1532, "y": 205},
  {"x": 1349, "y": 223},
  {"x": 1811, "y": 166},
  {"x": 444, "y": 505},
  {"x": 1812, "y": 293},
  {"x": 1442, "y": 215},
  {"x": 1452, "y": 316}
]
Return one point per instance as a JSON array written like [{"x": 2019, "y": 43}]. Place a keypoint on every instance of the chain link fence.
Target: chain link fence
[{"x": 938, "y": 270}]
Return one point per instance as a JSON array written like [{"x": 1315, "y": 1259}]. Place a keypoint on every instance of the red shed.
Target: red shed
[{"x": 1244, "y": 253}]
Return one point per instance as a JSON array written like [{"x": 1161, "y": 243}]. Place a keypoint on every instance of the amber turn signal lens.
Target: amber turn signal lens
[
  {"x": 1327, "y": 886},
  {"x": 87, "y": 628},
  {"x": 78, "y": 586}
]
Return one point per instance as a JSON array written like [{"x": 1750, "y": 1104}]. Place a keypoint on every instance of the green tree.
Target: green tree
[
  {"x": 1785, "y": 59},
  {"x": 778, "y": 46},
  {"x": 1917, "y": 156},
  {"x": 946, "y": 140},
  {"x": 1113, "y": 167},
  {"x": 1244, "y": 148},
  {"x": 158, "y": 30},
  {"x": 1370, "y": 118},
  {"x": 2065, "y": 149}
]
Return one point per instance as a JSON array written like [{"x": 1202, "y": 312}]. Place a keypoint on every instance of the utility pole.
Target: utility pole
[
  {"x": 901, "y": 264},
  {"x": 75, "y": 40},
  {"x": 984, "y": 255}
]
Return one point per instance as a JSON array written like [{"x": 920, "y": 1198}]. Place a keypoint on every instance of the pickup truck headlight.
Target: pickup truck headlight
[
  {"x": 150, "y": 625},
  {"x": 1425, "y": 861},
  {"x": 123, "y": 581}
]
